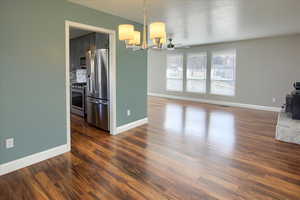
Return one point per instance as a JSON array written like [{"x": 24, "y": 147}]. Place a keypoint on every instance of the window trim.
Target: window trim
[
  {"x": 234, "y": 72},
  {"x": 209, "y": 66}
]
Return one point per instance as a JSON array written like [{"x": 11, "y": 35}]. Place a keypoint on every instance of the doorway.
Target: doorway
[{"x": 111, "y": 73}]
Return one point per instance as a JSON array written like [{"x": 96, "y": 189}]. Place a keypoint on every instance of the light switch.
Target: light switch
[{"x": 9, "y": 143}]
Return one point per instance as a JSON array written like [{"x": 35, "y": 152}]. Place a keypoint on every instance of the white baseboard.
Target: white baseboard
[
  {"x": 32, "y": 159},
  {"x": 217, "y": 102},
  {"x": 131, "y": 125}
]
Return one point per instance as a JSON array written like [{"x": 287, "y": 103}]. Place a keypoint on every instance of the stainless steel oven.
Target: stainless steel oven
[{"x": 78, "y": 99}]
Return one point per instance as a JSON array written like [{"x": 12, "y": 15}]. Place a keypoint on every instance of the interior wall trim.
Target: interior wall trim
[
  {"x": 131, "y": 125},
  {"x": 32, "y": 159},
  {"x": 112, "y": 72},
  {"x": 217, "y": 102}
]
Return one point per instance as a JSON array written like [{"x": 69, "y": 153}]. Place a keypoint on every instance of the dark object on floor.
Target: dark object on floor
[{"x": 293, "y": 102}]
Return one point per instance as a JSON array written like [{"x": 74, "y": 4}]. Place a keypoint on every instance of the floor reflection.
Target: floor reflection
[
  {"x": 174, "y": 118},
  {"x": 214, "y": 127},
  {"x": 195, "y": 123},
  {"x": 221, "y": 130}
]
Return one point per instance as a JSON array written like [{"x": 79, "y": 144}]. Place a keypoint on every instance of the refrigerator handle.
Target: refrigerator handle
[
  {"x": 90, "y": 56},
  {"x": 92, "y": 75},
  {"x": 90, "y": 84}
]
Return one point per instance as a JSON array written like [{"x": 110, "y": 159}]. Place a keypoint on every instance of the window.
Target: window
[
  {"x": 174, "y": 72},
  {"x": 223, "y": 73},
  {"x": 196, "y": 73}
]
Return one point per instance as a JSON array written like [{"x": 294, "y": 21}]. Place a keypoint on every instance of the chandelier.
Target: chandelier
[{"x": 132, "y": 38}]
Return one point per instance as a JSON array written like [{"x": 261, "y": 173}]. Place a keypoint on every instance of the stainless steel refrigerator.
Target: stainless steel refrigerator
[{"x": 98, "y": 88}]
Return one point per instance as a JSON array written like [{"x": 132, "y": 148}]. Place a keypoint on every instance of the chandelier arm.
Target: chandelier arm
[{"x": 144, "y": 43}]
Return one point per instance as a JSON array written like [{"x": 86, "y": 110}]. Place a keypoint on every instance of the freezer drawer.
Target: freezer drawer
[{"x": 98, "y": 113}]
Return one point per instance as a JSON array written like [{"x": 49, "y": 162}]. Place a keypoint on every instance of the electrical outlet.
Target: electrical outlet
[
  {"x": 9, "y": 143},
  {"x": 274, "y": 99},
  {"x": 128, "y": 112}
]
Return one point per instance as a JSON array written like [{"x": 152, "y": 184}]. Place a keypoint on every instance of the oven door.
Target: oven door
[{"x": 78, "y": 101}]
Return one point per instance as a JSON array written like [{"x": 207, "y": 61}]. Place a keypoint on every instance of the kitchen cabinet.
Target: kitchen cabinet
[
  {"x": 79, "y": 46},
  {"x": 75, "y": 53},
  {"x": 71, "y": 58},
  {"x": 92, "y": 40},
  {"x": 102, "y": 41},
  {"x": 86, "y": 44},
  {"x": 74, "y": 44}
]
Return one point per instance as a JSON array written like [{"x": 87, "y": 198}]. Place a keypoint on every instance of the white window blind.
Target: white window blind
[
  {"x": 174, "y": 72},
  {"x": 223, "y": 68},
  {"x": 196, "y": 72}
]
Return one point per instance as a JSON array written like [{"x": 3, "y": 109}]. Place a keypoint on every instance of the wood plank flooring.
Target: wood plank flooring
[{"x": 188, "y": 151}]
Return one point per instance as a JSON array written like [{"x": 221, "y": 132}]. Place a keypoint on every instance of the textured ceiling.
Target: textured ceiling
[{"x": 193, "y": 22}]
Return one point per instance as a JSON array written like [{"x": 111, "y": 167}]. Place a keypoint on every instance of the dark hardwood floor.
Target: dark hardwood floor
[{"x": 187, "y": 151}]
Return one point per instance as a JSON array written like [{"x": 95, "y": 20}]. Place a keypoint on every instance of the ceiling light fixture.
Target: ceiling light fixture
[{"x": 132, "y": 38}]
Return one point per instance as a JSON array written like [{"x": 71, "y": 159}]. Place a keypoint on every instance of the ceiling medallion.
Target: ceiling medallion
[{"x": 132, "y": 38}]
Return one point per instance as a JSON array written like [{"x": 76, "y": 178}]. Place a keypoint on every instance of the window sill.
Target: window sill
[
  {"x": 179, "y": 91},
  {"x": 202, "y": 93},
  {"x": 223, "y": 95}
]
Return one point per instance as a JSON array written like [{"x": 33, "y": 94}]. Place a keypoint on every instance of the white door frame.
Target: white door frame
[{"x": 112, "y": 73}]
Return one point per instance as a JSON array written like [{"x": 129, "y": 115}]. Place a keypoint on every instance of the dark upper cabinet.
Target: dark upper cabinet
[
  {"x": 102, "y": 41},
  {"x": 93, "y": 41},
  {"x": 86, "y": 44},
  {"x": 73, "y": 54},
  {"x": 71, "y": 59},
  {"x": 79, "y": 46},
  {"x": 75, "y": 45},
  {"x": 76, "y": 53}
]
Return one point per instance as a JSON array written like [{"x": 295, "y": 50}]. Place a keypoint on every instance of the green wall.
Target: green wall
[{"x": 32, "y": 73}]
